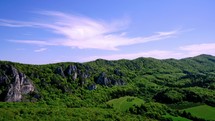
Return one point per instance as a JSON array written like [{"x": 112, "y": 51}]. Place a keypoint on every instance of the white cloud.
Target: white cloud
[
  {"x": 196, "y": 49},
  {"x": 83, "y": 32},
  {"x": 199, "y": 47},
  {"x": 36, "y": 42},
  {"x": 40, "y": 50},
  {"x": 181, "y": 52},
  {"x": 13, "y": 23}
]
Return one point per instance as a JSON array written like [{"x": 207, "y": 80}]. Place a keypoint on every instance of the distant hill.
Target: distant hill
[{"x": 166, "y": 86}]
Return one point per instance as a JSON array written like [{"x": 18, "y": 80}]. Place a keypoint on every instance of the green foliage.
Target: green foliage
[
  {"x": 179, "y": 84},
  {"x": 150, "y": 110},
  {"x": 170, "y": 96},
  {"x": 25, "y": 112},
  {"x": 176, "y": 118},
  {"x": 183, "y": 105}
]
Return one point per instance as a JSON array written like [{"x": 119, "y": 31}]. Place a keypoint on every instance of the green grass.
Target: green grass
[
  {"x": 203, "y": 111},
  {"x": 178, "y": 118},
  {"x": 124, "y": 103}
]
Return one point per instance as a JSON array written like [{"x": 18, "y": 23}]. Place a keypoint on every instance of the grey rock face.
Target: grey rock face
[
  {"x": 92, "y": 87},
  {"x": 104, "y": 80},
  {"x": 14, "y": 71},
  {"x": 72, "y": 71},
  {"x": 3, "y": 79},
  {"x": 59, "y": 71},
  {"x": 74, "y": 76},
  {"x": 118, "y": 72},
  {"x": 118, "y": 82},
  {"x": 19, "y": 85},
  {"x": 82, "y": 77}
]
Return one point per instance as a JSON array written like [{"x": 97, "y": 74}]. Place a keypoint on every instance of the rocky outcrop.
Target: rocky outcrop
[
  {"x": 82, "y": 78},
  {"x": 92, "y": 87},
  {"x": 117, "y": 82},
  {"x": 59, "y": 71},
  {"x": 72, "y": 71},
  {"x": 18, "y": 86},
  {"x": 118, "y": 72},
  {"x": 107, "y": 81},
  {"x": 103, "y": 80},
  {"x": 3, "y": 79}
]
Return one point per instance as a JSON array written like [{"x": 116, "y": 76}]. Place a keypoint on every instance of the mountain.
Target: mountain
[{"x": 72, "y": 90}]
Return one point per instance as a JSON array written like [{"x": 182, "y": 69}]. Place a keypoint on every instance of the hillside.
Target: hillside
[{"x": 80, "y": 91}]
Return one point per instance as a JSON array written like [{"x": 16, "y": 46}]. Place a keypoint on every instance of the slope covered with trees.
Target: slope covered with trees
[{"x": 79, "y": 91}]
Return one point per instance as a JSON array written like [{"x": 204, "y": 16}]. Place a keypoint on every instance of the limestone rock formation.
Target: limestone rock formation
[
  {"x": 103, "y": 80},
  {"x": 59, "y": 71},
  {"x": 19, "y": 85},
  {"x": 92, "y": 87},
  {"x": 118, "y": 72},
  {"x": 107, "y": 81},
  {"x": 72, "y": 71},
  {"x": 3, "y": 79}
]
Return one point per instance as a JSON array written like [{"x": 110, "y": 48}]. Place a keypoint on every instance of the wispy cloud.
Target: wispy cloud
[
  {"x": 40, "y": 50},
  {"x": 13, "y": 23},
  {"x": 35, "y": 42},
  {"x": 196, "y": 49},
  {"x": 181, "y": 52},
  {"x": 84, "y": 33}
]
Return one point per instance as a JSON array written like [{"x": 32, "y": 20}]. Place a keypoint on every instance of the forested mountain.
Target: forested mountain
[{"x": 140, "y": 89}]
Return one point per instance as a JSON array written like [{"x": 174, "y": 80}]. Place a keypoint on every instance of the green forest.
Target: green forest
[{"x": 144, "y": 89}]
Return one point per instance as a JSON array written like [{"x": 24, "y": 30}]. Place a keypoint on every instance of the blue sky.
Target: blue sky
[{"x": 49, "y": 31}]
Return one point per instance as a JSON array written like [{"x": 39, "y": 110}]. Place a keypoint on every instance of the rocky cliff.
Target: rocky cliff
[{"x": 17, "y": 84}]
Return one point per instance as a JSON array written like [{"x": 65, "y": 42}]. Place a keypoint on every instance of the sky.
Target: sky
[{"x": 51, "y": 31}]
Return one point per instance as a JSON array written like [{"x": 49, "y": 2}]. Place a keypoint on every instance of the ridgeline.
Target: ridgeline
[{"x": 139, "y": 89}]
